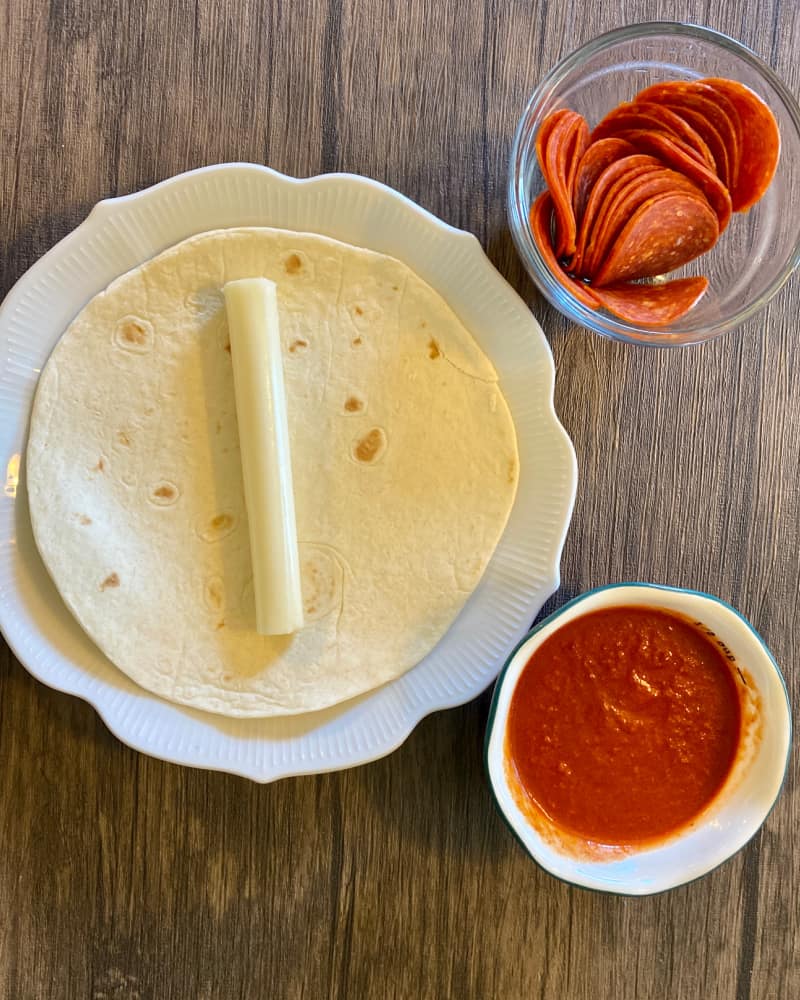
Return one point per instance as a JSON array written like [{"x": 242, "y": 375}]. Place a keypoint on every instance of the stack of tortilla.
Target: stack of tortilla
[{"x": 404, "y": 464}]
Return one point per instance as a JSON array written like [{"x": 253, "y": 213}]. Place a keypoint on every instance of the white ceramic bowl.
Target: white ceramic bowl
[{"x": 735, "y": 814}]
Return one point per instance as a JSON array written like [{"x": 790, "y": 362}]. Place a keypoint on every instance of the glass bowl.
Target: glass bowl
[{"x": 758, "y": 251}]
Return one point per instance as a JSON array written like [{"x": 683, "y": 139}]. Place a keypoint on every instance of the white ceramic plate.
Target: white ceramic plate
[{"x": 124, "y": 232}]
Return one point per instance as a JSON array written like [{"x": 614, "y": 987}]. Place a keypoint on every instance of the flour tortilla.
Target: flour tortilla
[{"x": 403, "y": 453}]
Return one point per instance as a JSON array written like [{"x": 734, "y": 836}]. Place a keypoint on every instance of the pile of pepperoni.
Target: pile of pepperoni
[{"x": 651, "y": 188}]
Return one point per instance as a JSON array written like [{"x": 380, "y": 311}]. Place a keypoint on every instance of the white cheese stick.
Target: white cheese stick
[{"x": 252, "y": 308}]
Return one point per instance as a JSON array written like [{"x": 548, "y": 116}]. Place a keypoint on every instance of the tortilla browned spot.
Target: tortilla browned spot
[
  {"x": 371, "y": 446},
  {"x": 164, "y": 494},
  {"x": 133, "y": 333},
  {"x": 293, "y": 264}
]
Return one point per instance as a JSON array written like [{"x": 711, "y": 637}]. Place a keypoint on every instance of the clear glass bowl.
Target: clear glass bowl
[{"x": 760, "y": 248}]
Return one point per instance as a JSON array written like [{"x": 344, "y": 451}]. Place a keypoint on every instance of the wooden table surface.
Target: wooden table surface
[{"x": 125, "y": 877}]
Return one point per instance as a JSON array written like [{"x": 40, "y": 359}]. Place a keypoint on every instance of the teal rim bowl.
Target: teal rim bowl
[{"x": 732, "y": 818}]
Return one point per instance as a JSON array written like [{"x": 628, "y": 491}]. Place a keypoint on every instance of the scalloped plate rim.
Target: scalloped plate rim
[{"x": 413, "y": 714}]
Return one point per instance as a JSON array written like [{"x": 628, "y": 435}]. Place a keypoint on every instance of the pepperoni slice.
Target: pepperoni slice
[
  {"x": 572, "y": 149},
  {"x": 554, "y": 122},
  {"x": 713, "y": 106},
  {"x": 612, "y": 173},
  {"x": 547, "y": 126},
  {"x": 638, "y": 138},
  {"x": 622, "y": 205},
  {"x": 626, "y": 116},
  {"x": 599, "y": 155},
  {"x": 674, "y": 154},
  {"x": 575, "y": 155},
  {"x": 553, "y": 151},
  {"x": 760, "y": 142},
  {"x": 724, "y": 121},
  {"x": 657, "y": 118},
  {"x": 626, "y": 184},
  {"x": 665, "y": 232},
  {"x": 683, "y": 129},
  {"x": 652, "y": 305},
  {"x": 703, "y": 127},
  {"x": 541, "y": 218}
]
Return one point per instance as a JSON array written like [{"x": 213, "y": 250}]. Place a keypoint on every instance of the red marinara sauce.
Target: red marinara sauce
[{"x": 624, "y": 724}]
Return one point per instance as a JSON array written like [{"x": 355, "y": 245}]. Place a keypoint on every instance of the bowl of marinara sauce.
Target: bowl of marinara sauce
[{"x": 638, "y": 738}]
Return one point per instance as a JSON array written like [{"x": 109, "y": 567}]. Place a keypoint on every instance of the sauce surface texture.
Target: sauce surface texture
[{"x": 624, "y": 724}]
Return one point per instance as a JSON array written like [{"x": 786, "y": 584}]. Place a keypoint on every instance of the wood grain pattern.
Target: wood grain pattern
[{"x": 123, "y": 877}]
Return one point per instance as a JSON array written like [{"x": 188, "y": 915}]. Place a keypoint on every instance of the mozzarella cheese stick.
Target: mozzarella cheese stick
[{"x": 252, "y": 309}]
